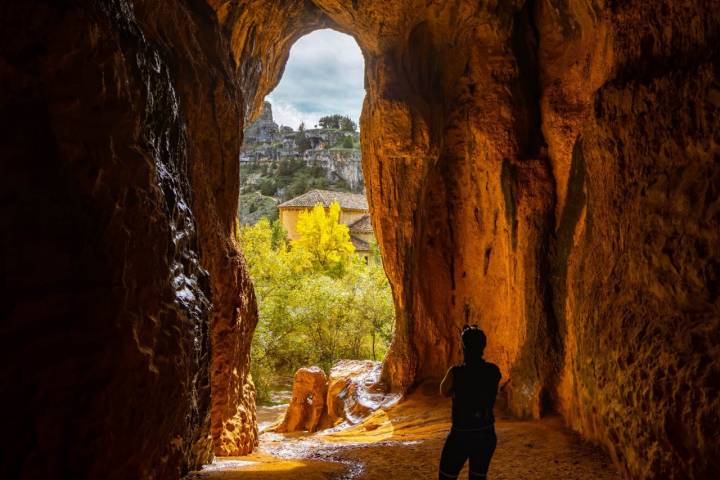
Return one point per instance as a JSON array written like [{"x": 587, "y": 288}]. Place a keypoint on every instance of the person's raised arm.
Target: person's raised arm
[{"x": 446, "y": 386}]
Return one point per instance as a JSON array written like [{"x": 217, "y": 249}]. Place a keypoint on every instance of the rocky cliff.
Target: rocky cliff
[
  {"x": 547, "y": 169},
  {"x": 340, "y": 165},
  {"x": 263, "y": 129}
]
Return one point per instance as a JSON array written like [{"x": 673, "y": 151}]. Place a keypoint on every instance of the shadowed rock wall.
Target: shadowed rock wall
[
  {"x": 119, "y": 140},
  {"x": 636, "y": 283}
]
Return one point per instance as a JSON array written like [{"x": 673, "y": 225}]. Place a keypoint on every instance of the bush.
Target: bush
[
  {"x": 267, "y": 187},
  {"x": 318, "y": 302},
  {"x": 252, "y": 206}
]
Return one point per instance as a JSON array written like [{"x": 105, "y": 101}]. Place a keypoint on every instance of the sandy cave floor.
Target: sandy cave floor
[{"x": 404, "y": 443}]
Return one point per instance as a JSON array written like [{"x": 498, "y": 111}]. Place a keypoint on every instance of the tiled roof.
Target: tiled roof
[
  {"x": 361, "y": 225},
  {"x": 359, "y": 244},
  {"x": 347, "y": 201}
]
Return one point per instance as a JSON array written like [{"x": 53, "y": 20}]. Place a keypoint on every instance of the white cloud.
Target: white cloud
[
  {"x": 286, "y": 114},
  {"x": 323, "y": 76}
]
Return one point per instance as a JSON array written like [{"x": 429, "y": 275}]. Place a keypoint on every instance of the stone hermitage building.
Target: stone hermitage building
[{"x": 354, "y": 213}]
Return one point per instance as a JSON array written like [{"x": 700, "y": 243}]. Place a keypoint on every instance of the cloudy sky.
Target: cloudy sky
[{"x": 324, "y": 75}]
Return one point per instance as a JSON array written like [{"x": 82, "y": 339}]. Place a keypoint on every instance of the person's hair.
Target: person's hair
[{"x": 474, "y": 341}]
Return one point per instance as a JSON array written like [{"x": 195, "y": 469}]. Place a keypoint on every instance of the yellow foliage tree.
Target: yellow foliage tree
[
  {"x": 317, "y": 301},
  {"x": 324, "y": 244}
]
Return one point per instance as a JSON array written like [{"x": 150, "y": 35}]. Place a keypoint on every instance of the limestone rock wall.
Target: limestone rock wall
[
  {"x": 120, "y": 132},
  {"x": 637, "y": 283},
  {"x": 339, "y": 166},
  {"x": 640, "y": 285},
  {"x": 547, "y": 169}
]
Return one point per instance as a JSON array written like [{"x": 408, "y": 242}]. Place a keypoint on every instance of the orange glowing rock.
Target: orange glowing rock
[{"x": 307, "y": 405}]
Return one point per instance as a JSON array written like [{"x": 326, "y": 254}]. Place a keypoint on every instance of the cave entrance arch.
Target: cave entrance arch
[
  {"x": 449, "y": 132},
  {"x": 302, "y": 150},
  {"x": 122, "y": 131}
]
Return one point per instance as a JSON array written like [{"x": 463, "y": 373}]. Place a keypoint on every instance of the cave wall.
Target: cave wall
[
  {"x": 120, "y": 131},
  {"x": 548, "y": 170},
  {"x": 636, "y": 284}
]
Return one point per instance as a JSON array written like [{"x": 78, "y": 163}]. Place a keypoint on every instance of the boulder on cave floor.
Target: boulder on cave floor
[
  {"x": 355, "y": 391},
  {"x": 307, "y": 404},
  {"x": 351, "y": 392}
]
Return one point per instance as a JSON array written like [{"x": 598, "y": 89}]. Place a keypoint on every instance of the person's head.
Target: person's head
[{"x": 474, "y": 341}]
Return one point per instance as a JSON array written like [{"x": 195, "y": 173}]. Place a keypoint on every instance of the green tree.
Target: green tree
[
  {"x": 348, "y": 142},
  {"x": 338, "y": 122},
  {"x": 301, "y": 141},
  {"x": 375, "y": 304},
  {"x": 276, "y": 343},
  {"x": 330, "y": 121},
  {"x": 267, "y": 187},
  {"x": 347, "y": 125}
]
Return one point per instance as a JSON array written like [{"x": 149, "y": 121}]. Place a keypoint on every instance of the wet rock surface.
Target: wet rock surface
[
  {"x": 119, "y": 187},
  {"x": 351, "y": 392},
  {"x": 404, "y": 442},
  {"x": 355, "y": 390}
]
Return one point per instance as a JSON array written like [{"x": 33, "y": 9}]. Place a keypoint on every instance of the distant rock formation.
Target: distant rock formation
[
  {"x": 264, "y": 129},
  {"x": 339, "y": 164},
  {"x": 335, "y": 151}
]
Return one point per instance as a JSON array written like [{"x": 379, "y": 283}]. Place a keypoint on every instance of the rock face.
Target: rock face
[
  {"x": 339, "y": 165},
  {"x": 307, "y": 404},
  {"x": 351, "y": 392},
  {"x": 355, "y": 390},
  {"x": 547, "y": 169},
  {"x": 263, "y": 129},
  {"x": 119, "y": 139}
]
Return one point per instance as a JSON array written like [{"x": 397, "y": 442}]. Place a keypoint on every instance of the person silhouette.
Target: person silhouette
[{"x": 473, "y": 386}]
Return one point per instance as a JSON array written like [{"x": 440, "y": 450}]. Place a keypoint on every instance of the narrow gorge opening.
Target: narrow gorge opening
[{"x": 325, "y": 308}]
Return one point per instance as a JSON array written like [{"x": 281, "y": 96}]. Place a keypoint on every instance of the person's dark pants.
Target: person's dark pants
[{"x": 477, "y": 446}]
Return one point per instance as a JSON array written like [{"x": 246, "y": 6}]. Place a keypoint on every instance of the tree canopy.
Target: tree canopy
[
  {"x": 317, "y": 301},
  {"x": 339, "y": 122},
  {"x": 301, "y": 140},
  {"x": 347, "y": 142},
  {"x": 324, "y": 242}
]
